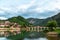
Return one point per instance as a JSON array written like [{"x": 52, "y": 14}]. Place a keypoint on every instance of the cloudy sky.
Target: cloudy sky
[{"x": 29, "y": 8}]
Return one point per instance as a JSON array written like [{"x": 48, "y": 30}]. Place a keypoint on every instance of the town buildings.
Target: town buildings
[{"x": 9, "y": 25}]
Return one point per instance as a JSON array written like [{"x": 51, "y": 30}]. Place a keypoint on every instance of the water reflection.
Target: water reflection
[
  {"x": 36, "y": 39},
  {"x": 3, "y": 38}
]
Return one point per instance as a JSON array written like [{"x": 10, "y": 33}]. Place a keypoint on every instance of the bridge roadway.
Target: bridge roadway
[{"x": 38, "y": 29}]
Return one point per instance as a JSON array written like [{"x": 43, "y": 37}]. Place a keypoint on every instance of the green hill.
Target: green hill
[{"x": 20, "y": 20}]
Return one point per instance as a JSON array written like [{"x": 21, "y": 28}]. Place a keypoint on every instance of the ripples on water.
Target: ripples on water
[{"x": 36, "y": 39}]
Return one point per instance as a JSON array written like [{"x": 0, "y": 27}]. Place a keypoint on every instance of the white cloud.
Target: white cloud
[
  {"x": 12, "y": 8},
  {"x": 41, "y": 5},
  {"x": 3, "y": 18},
  {"x": 24, "y": 7},
  {"x": 51, "y": 5},
  {"x": 1, "y": 11}
]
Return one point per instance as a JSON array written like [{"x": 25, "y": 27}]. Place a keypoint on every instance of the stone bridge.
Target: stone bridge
[
  {"x": 5, "y": 31},
  {"x": 38, "y": 29}
]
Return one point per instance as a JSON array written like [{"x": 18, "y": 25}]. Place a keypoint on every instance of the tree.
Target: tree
[{"x": 52, "y": 24}]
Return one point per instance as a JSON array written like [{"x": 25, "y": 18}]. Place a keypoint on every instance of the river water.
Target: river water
[
  {"x": 36, "y": 39},
  {"x": 3, "y": 38}
]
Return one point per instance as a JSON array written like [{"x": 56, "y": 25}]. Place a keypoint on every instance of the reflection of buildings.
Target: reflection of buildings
[
  {"x": 6, "y": 33},
  {"x": 8, "y": 24}
]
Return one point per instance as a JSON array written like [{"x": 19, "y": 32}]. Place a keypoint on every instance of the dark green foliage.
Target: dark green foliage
[
  {"x": 20, "y": 20},
  {"x": 52, "y": 24},
  {"x": 20, "y": 36}
]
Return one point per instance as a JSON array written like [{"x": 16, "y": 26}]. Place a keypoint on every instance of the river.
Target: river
[
  {"x": 3, "y": 38},
  {"x": 36, "y": 39}
]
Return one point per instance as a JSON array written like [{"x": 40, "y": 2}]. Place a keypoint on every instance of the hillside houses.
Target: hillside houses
[
  {"x": 8, "y": 24},
  {"x": 11, "y": 25}
]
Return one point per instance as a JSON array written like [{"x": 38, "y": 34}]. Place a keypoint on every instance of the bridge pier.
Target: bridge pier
[
  {"x": 31, "y": 29},
  {"x": 38, "y": 29},
  {"x": 34, "y": 28}
]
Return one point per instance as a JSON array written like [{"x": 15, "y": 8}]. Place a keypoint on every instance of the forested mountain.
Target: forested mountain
[
  {"x": 33, "y": 21},
  {"x": 20, "y": 20},
  {"x": 43, "y": 22}
]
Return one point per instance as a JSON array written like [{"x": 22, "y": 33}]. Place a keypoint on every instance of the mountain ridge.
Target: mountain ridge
[
  {"x": 19, "y": 19},
  {"x": 43, "y": 22},
  {"x": 33, "y": 21}
]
